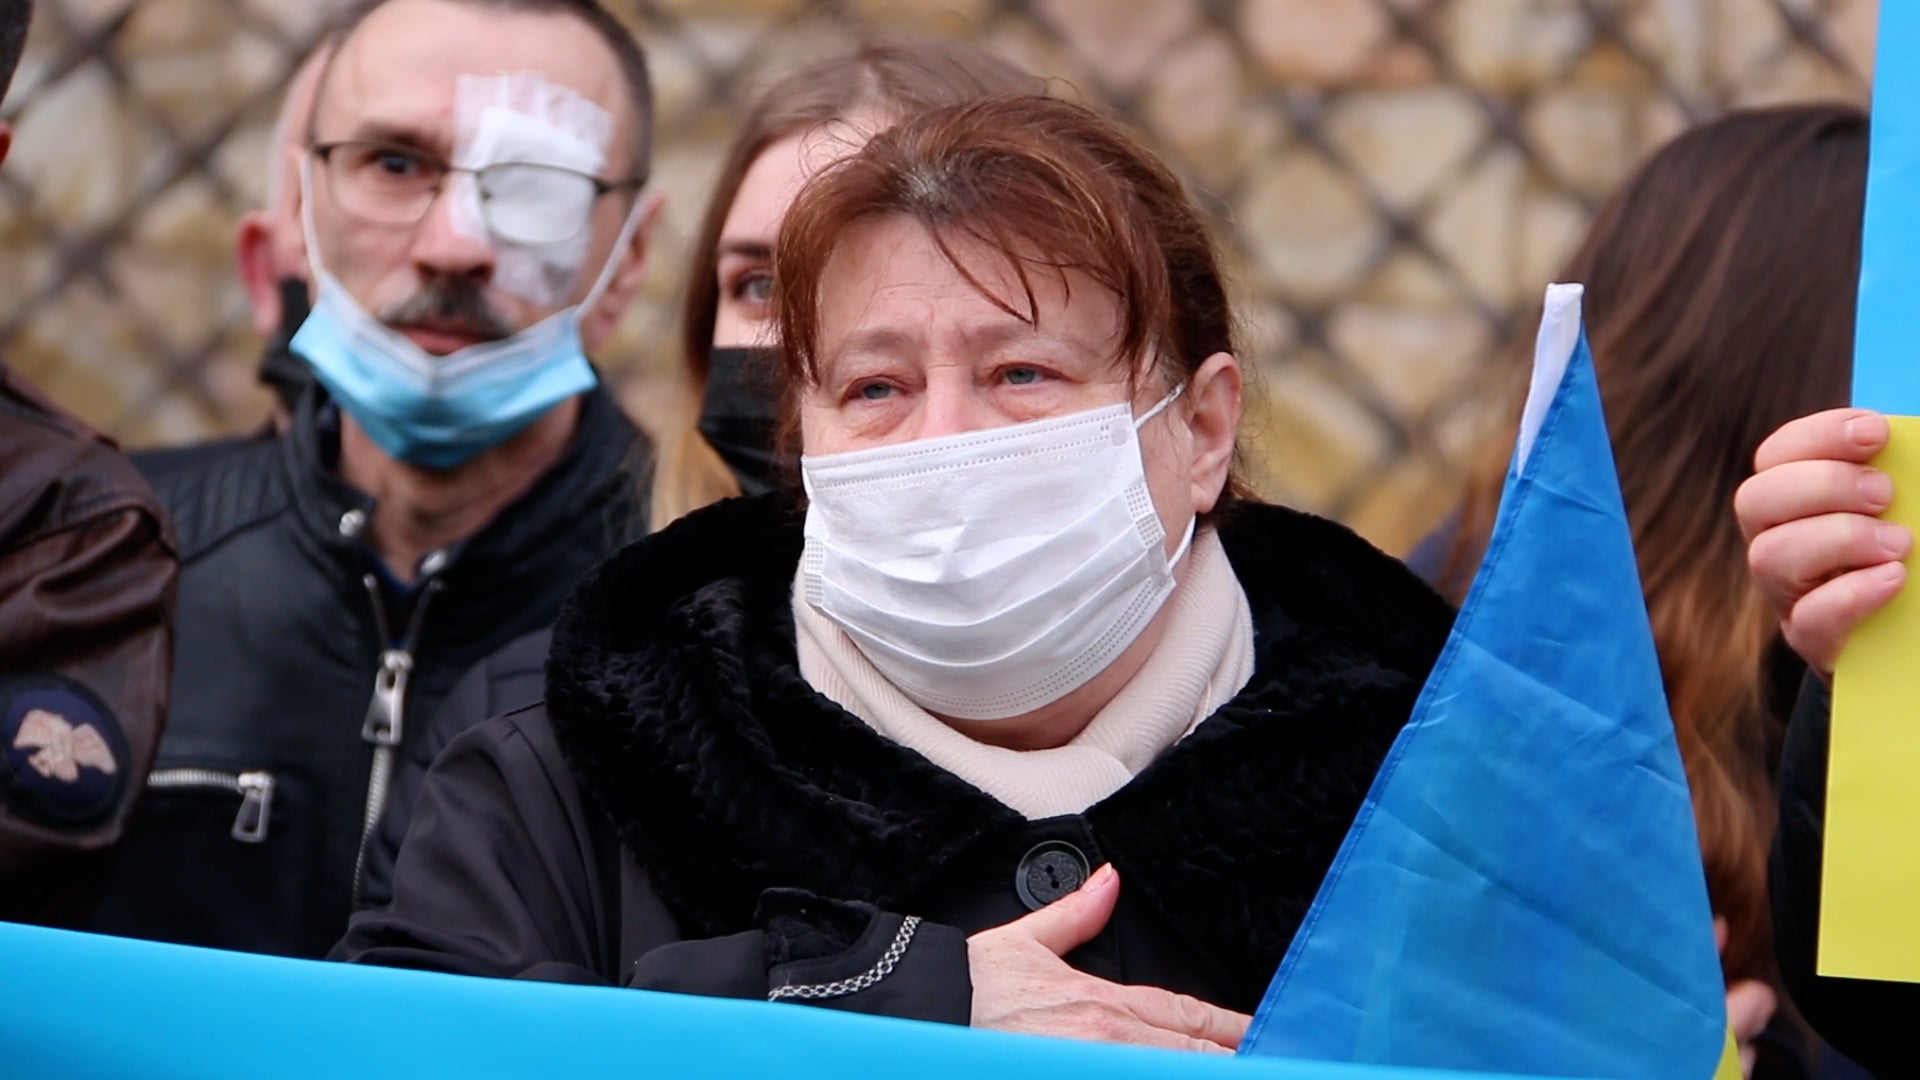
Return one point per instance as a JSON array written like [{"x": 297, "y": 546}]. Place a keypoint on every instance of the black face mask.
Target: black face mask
[
  {"x": 281, "y": 369},
  {"x": 737, "y": 415}
]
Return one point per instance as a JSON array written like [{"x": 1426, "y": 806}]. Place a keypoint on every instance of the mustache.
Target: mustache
[{"x": 450, "y": 302}]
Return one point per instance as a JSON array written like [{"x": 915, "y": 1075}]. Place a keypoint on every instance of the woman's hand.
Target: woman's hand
[
  {"x": 1021, "y": 984},
  {"x": 1815, "y": 545},
  {"x": 1750, "y": 1006}
]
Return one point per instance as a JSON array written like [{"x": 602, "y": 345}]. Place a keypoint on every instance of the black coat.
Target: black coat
[
  {"x": 250, "y": 831},
  {"x": 687, "y": 813}
]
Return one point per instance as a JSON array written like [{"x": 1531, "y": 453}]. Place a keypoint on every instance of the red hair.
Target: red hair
[{"x": 1048, "y": 185}]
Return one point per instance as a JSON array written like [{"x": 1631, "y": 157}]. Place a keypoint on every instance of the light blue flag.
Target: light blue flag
[
  {"x": 1522, "y": 889},
  {"x": 85, "y": 1005},
  {"x": 1885, "y": 378}
]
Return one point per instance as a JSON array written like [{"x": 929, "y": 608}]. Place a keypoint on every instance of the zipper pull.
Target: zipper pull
[
  {"x": 387, "y": 711},
  {"x": 256, "y": 806}
]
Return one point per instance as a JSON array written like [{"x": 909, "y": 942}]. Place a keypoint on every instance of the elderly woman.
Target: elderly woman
[{"x": 1034, "y": 722}]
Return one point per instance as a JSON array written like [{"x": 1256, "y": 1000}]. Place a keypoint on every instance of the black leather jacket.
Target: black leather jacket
[
  {"x": 299, "y": 682},
  {"x": 513, "y": 678}
]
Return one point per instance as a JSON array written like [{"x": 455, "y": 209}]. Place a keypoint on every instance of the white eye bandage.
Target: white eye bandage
[{"x": 521, "y": 117}]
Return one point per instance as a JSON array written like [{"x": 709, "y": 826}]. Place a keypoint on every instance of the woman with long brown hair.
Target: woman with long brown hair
[
  {"x": 1720, "y": 296},
  {"x": 820, "y": 113}
]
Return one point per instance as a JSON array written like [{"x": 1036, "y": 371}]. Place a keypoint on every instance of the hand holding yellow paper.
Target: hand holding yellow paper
[{"x": 1870, "y": 886}]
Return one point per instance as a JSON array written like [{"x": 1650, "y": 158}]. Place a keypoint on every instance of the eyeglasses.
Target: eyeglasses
[{"x": 522, "y": 202}]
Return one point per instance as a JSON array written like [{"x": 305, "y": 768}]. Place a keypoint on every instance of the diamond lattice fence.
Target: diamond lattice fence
[{"x": 1395, "y": 179}]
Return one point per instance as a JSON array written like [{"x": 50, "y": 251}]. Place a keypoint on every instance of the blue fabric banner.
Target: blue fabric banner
[
  {"x": 83, "y": 1005},
  {"x": 1886, "y": 373},
  {"x": 1523, "y": 889}
]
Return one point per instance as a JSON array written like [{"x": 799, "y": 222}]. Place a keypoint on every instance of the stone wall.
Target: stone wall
[{"x": 1396, "y": 181}]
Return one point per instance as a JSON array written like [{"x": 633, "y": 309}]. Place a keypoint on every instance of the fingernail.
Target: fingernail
[
  {"x": 1100, "y": 877},
  {"x": 1876, "y": 489},
  {"x": 1865, "y": 430},
  {"x": 1894, "y": 539},
  {"x": 1890, "y": 574}
]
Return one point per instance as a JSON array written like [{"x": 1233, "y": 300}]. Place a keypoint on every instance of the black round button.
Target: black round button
[{"x": 1049, "y": 871}]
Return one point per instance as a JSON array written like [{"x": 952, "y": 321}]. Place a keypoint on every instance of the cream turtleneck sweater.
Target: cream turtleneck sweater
[{"x": 1204, "y": 657}]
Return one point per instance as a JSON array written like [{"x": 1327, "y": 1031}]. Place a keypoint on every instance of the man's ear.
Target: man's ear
[
  {"x": 1213, "y": 419},
  {"x": 253, "y": 258},
  {"x": 600, "y": 323}
]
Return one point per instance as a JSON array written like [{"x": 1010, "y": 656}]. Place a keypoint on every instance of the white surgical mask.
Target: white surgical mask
[{"x": 993, "y": 572}]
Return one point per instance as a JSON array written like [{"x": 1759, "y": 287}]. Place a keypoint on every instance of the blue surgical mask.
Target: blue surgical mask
[{"x": 439, "y": 411}]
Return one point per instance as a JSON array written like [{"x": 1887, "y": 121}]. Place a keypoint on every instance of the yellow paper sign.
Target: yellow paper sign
[
  {"x": 1729, "y": 1061},
  {"x": 1870, "y": 885}
]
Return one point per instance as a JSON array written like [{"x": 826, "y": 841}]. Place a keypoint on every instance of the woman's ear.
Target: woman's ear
[
  {"x": 1213, "y": 420},
  {"x": 604, "y": 319}
]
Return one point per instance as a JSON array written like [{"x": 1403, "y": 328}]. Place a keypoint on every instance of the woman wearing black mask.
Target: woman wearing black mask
[
  {"x": 806, "y": 121},
  {"x": 818, "y": 115}
]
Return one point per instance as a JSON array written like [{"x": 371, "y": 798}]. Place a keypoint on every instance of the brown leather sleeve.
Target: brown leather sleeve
[{"x": 88, "y": 569}]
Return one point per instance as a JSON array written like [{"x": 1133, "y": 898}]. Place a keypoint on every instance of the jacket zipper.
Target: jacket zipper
[
  {"x": 385, "y": 723},
  {"x": 255, "y": 789}
]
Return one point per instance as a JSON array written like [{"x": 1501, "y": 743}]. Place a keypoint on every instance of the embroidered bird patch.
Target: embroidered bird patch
[
  {"x": 61, "y": 750},
  {"x": 63, "y": 757}
]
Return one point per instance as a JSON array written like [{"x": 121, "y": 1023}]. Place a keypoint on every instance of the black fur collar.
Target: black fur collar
[{"x": 674, "y": 689}]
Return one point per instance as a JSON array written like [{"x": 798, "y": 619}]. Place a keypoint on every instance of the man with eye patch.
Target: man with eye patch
[{"x": 473, "y": 208}]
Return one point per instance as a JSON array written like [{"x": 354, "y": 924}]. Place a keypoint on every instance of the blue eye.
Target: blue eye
[
  {"x": 875, "y": 391},
  {"x": 1022, "y": 376},
  {"x": 754, "y": 287}
]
